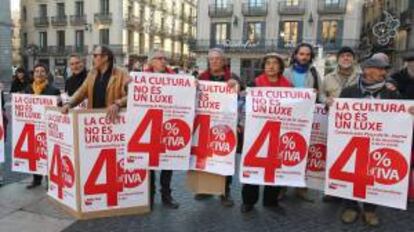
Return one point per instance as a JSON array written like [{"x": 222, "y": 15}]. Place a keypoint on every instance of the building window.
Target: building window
[
  {"x": 292, "y": 2},
  {"x": 255, "y": 3},
  {"x": 60, "y": 10},
  {"x": 105, "y": 6},
  {"x": 254, "y": 32},
  {"x": 42, "y": 10},
  {"x": 60, "y": 36},
  {"x": 79, "y": 39},
  {"x": 221, "y": 3},
  {"x": 24, "y": 14},
  {"x": 79, "y": 8},
  {"x": 329, "y": 31},
  {"x": 250, "y": 68},
  {"x": 331, "y": 2},
  {"x": 290, "y": 33},
  {"x": 24, "y": 39},
  {"x": 42, "y": 40},
  {"x": 104, "y": 36},
  {"x": 221, "y": 31}
]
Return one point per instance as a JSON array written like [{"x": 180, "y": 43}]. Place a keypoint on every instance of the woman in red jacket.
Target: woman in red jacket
[{"x": 273, "y": 67}]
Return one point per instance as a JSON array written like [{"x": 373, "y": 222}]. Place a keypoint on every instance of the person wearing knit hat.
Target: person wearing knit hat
[
  {"x": 344, "y": 75},
  {"x": 272, "y": 76}
]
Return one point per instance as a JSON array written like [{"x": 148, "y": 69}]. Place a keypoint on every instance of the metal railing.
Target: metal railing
[
  {"x": 292, "y": 9},
  {"x": 220, "y": 11},
  {"x": 78, "y": 20},
  {"x": 132, "y": 22},
  {"x": 103, "y": 18},
  {"x": 268, "y": 45},
  {"x": 258, "y": 9},
  {"x": 42, "y": 21},
  {"x": 332, "y": 7},
  {"x": 60, "y": 20}
]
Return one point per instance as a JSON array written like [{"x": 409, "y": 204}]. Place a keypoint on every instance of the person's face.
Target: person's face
[
  {"x": 345, "y": 60},
  {"x": 99, "y": 59},
  {"x": 39, "y": 74},
  {"x": 159, "y": 63},
  {"x": 304, "y": 55},
  {"x": 272, "y": 67},
  {"x": 216, "y": 62},
  {"x": 76, "y": 65},
  {"x": 410, "y": 64},
  {"x": 20, "y": 76},
  {"x": 375, "y": 75}
]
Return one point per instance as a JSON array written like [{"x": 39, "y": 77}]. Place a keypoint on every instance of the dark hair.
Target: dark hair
[
  {"x": 43, "y": 66},
  {"x": 306, "y": 45},
  {"x": 279, "y": 60},
  {"x": 20, "y": 70},
  {"x": 108, "y": 52}
]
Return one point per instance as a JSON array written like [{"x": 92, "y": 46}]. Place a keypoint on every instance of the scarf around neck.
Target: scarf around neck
[
  {"x": 39, "y": 86},
  {"x": 300, "y": 68},
  {"x": 371, "y": 88}
]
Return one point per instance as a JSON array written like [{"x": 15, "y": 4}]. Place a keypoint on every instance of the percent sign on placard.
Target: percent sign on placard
[
  {"x": 293, "y": 149},
  {"x": 289, "y": 142},
  {"x": 381, "y": 159},
  {"x": 172, "y": 128},
  {"x": 218, "y": 133}
]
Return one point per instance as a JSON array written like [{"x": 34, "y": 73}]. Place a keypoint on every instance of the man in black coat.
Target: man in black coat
[{"x": 79, "y": 73}]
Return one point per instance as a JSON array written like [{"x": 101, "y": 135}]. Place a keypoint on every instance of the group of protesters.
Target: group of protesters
[{"x": 105, "y": 86}]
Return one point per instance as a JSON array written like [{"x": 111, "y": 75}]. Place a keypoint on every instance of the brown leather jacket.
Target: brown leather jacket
[{"x": 116, "y": 89}]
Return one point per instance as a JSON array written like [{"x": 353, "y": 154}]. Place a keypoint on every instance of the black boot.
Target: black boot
[
  {"x": 37, "y": 181},
  {"x": 227, "y": 200},
  {"x": 202, "y": 196},
  {"x": 168, "y": 201},
  {"x": 245, "y": 208}
]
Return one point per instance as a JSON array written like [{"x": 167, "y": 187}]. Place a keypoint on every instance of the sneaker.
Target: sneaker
[
  {"x": 227, "y": 201},
  {"x": 349, "y": 216},
  {"x": 246, "y": 208},
  {"x": 371, "y": 218}
]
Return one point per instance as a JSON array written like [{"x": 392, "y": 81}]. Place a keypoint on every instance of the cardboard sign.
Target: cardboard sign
[
  {"x": 2, "y": 136},
  {"x": 214, "y": 139},
  {"x": 29, "y": 154},
  {"x": 206, "y": 183},
  {"x": 105, "y": 182},
  {"x": 160, "y": 120},
  {"x": 369, "y": 151},
  {"x": 61, "y": 146},
  {"x": 315, "y": 170},
  {"x": 277, "y": 133}
]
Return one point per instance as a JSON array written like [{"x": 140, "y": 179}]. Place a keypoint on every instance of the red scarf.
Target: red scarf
[
  {"x": 263, "y": 81},
  {"x": 206, "y": 75}
]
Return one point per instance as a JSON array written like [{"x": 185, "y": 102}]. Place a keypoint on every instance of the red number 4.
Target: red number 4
[
  {"x": 359, "y": 178},
  {"x": 112, "y": 186},
  {"x": 272, "y": 161},
  {"x": 56, "y": 167},
  {"x": 28, "y": 133},
  {"x": 202, "y": 150}
]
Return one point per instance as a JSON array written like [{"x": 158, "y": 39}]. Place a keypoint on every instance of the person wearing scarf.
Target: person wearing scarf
[
  {"x": 371, "y": 85},
  {"x": 79, "y": 73},
  {"x": 273, "y": 67},
  {"x": 40, "y": 86},
  {"x": 218, "y": 71}
]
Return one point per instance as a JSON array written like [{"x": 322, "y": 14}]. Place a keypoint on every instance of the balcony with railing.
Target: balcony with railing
[
  {"x": 269, "y": 45},
  {"x": 42, "y": 21},
  {"x": 220, "y": 11},
  {"x": 103, "y": 18},
  {"x": 332, "y": 6},
  {"x": 78, "y": 20},
  {"x": 80, "y": 49},
  {"x": 132, "y": 22},
  {"x": 60, "y": 50},
  {"x": 288, "y": 8},
  {"x": 254, "y": 9},
  {"x": 42, "y": 51},
  {"x": 59, "y": 21}
]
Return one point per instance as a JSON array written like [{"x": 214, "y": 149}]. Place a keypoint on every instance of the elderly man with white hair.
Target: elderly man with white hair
[{"x": 218, "y": 71}]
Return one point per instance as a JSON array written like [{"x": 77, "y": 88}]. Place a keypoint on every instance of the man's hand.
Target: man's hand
[
  {"x": 112, "y": 111},
  {"x": 390, "y": 86},
  {"x": 65, "y": 109},
  {"x": 234, "y": 85}
]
